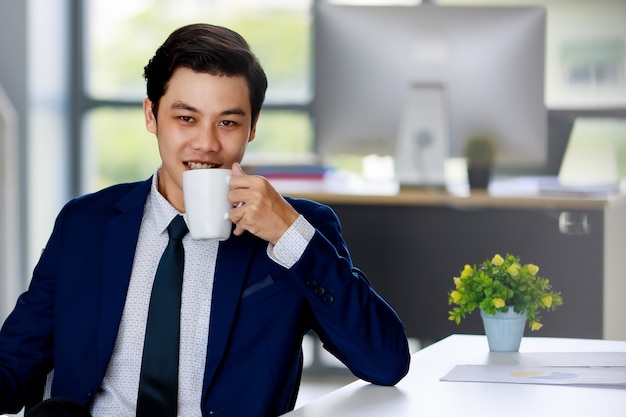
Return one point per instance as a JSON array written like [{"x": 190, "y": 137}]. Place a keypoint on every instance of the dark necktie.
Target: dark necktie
[{"x": 158, "y": 381}]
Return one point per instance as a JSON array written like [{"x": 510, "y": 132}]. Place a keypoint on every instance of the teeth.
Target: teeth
[{"x": 197, "y": 165}]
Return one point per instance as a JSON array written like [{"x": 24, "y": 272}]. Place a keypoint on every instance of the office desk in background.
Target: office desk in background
[
  {"x": 411, "y": 243},
  {"x": 421, "y": 393}
]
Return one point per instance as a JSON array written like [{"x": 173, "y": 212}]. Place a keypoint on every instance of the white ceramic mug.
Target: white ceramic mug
[{"x": 205, "y": 193}]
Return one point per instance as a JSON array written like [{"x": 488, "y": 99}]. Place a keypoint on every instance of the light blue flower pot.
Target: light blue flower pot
[{"x": 504, "y": 330}]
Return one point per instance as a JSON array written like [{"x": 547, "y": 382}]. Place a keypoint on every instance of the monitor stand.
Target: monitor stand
[{"x": 422, "y": 144}]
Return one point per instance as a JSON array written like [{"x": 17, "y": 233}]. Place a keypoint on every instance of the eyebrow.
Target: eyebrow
[
  {"x": 236, "y": 111},
  {"x": 181, "y": 105}
]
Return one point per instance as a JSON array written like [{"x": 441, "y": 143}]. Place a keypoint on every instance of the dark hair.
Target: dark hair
[{"x": 207, "y": 49}]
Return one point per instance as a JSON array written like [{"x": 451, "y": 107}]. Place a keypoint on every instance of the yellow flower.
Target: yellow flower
[
  {"x": 498, "y": 302},
  {"x": 547, "y": 300},
  {"x": 497, "y": 260},
  {"x": 467, "y": 271},
  {"x": 533, "y": 269},
  {"x": 501, "y": 282},
  {"x": 513, "y": 270}
]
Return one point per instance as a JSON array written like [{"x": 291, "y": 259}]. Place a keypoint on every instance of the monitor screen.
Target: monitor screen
[{"x": 471, "y": 70}]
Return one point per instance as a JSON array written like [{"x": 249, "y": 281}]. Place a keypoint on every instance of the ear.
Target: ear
[
  {"x": 252, "y": 134},
  {"x": 148, "y": 114}
]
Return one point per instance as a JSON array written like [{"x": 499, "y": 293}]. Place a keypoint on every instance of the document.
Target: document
[{"x": 603, "y": 369}]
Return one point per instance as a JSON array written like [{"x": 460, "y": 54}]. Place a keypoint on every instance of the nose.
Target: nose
[{"x": 205, "y": 140}]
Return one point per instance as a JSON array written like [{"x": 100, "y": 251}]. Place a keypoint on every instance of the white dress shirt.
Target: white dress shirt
[{"x": 118, "y": 394}]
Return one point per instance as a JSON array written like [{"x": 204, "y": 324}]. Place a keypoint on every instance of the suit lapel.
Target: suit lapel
[
  {"x": 233, "y": 259},
  {"x": 120, "y": 241}
]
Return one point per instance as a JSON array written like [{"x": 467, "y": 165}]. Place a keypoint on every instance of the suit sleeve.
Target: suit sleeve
[
  {"x": 26, "y": 336},
  {"x": 353, "y": 321}
]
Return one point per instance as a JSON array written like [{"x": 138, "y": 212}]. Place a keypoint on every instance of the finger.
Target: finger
[
  {"x": 237, "y": 170},
  {"x": 239, "y": 179},
  {"x": 238, "y": 230},
  {"x": 238, "y": 195},
  {"x": 237, "y": 216}
]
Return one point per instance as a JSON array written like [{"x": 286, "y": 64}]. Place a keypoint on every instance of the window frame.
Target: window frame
[{"x": 82, "y": 102}]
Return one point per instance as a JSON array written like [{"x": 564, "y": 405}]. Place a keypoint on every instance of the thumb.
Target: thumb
[{"x": 237, "y": 170}]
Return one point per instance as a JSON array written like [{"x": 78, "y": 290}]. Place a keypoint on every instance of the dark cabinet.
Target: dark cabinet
[{"x": 411, "y": 254}]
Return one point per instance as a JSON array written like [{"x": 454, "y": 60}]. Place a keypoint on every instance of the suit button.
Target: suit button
[
  {"x": 320, "y": 291},
  {"x": 311, "y": 283},
  {"x": 328, "y": 299}
]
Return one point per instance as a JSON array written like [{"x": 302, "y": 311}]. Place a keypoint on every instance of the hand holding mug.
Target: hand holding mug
[{"x": 259, "y": 208}]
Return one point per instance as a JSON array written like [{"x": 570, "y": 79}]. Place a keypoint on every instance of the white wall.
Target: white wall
[
  {"x": 13, "y": 82},
  {"x": 9, "y": 206}
]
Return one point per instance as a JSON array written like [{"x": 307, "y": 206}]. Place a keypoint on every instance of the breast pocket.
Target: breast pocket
[{"x": 260, "y": 291}]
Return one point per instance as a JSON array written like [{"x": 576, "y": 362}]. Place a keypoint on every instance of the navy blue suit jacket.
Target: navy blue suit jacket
[{"x": 69, "y": 317}]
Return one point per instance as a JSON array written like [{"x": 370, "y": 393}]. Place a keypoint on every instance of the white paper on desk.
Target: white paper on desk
[
  {"x": 568, "y": 358},
  {"x": 608, "y": 376}
]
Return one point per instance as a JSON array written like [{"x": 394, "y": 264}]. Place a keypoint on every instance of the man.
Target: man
[{"x": 246, "y": 301}]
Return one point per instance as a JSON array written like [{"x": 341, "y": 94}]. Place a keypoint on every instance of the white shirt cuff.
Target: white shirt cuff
[{"x": 292, "y": 243}]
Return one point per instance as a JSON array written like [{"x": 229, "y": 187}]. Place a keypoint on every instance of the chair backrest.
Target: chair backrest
[{"x": 38, "y": 391}]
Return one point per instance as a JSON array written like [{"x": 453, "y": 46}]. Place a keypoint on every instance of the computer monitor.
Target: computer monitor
[{"x": 380, "y": 70}]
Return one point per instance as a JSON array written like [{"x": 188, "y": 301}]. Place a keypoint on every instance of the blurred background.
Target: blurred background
[{"x": 71, "y": 70}]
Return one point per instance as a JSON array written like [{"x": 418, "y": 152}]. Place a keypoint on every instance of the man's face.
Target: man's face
[{"x": 204, "y": 121}]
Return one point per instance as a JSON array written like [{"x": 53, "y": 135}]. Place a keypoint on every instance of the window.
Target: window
[
  {"x": 119, "y": 39},
  {"x": 594, "y": 63},
  {"x": 585, "y": 51}
]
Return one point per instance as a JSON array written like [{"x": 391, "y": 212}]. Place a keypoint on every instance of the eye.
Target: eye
[
  {"x": 187, "y": 119},
  {"x": 228, "y": 123}
]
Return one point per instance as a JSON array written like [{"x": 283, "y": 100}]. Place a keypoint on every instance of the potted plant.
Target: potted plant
[
  {"x": 503, "y": 288},
  {"x": 480, "y": 152}
]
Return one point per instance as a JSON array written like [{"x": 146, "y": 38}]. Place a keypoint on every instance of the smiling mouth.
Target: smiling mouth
[{"x": 198, "y": 165}]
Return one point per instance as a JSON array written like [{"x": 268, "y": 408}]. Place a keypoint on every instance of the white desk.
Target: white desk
[{"x": 421, "y": 393}]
